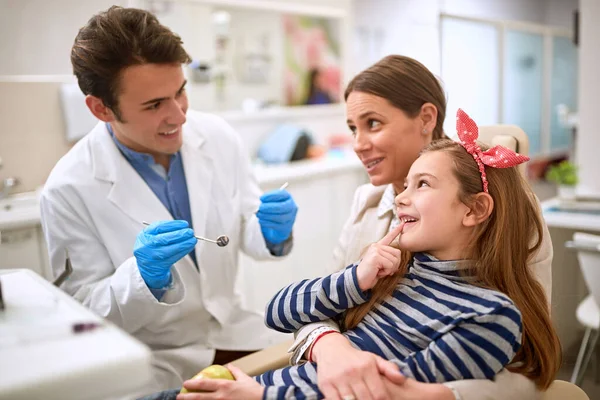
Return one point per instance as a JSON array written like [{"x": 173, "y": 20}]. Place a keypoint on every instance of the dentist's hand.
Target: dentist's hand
[
  {"x": 276, "y": 215},
  {"x": 380, "y": 260},
  {"x": 158, "y": 247}
]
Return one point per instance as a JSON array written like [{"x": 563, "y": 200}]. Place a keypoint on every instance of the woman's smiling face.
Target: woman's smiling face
[{"x": 386, "y": 139}]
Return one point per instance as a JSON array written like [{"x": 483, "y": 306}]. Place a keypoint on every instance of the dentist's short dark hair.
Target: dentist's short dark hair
[{"x": 116, "y": 39}]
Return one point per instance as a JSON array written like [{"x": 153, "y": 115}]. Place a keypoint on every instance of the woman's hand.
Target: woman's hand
[
  {"x": 361, "y": 374},
  {"x": 243, "y": 388},
  {"x": 380, "y": 260}
]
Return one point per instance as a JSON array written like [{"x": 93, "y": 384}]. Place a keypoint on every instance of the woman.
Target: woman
[{"x": 394, "y": 109}]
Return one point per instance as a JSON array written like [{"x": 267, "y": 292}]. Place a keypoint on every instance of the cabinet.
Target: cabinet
[{"x": 24, "y": 247}]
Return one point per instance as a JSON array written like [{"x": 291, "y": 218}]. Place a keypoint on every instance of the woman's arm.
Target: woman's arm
[{"x": 314, "y": 300}]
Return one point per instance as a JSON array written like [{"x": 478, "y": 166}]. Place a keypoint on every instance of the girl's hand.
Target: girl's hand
[
  {"x": 380, "y": 260},
  {"x": 243, "y": 388},
  {"x": 362, "y": 374}
]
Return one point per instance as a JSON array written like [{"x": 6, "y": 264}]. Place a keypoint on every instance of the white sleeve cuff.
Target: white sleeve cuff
[{"x": 305, "y": 338}]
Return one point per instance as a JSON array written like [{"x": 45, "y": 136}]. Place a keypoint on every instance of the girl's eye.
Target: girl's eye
[
  {"x": 373, "y": 124},
  {"x": 422, "y": 183}
]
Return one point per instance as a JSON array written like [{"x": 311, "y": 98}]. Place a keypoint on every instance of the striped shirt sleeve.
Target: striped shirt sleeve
[
  {"x": 314, "y": 300},
  {"x": 477, "y": 348},
  {"x": 297, "y": 383}
]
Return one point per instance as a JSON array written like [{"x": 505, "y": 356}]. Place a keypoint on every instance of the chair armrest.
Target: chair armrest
[
  {"x": 273, "y": 357},
  {"x": 560, "y": 390}
]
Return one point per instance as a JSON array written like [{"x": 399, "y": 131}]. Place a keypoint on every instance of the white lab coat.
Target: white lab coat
[{"x": 93, "y": 205}]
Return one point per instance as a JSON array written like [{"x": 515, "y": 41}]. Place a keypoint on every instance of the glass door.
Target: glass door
[
  {"x": 523, "y": 84},
  {"x": 563, "y": 91}
]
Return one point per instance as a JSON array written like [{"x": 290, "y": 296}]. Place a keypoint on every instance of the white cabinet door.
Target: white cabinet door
[{"x": 23, "y": 248}]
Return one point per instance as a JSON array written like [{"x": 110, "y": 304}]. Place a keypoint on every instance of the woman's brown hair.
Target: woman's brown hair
[
  {"x": 406, "y": 84},
  {"x": 500, "y": 252}
]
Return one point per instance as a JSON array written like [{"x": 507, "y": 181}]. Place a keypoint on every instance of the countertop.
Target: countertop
[{"x": 577, "y": 215}]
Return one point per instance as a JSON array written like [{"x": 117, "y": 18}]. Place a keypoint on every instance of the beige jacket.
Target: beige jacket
[{"x": 365, "y": 227}]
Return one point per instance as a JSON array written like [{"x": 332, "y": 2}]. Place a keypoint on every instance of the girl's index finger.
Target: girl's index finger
[{"x": 391, "y": 235}]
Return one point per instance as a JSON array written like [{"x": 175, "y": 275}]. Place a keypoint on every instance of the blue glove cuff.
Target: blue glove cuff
[{"x": 158, "y": 283}]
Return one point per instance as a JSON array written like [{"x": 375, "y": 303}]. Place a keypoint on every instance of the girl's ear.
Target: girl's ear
[{"x": 480, "y": 209}]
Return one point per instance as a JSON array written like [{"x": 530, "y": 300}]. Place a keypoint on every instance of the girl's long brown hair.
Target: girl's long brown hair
[{"x": 500, "y": 252}]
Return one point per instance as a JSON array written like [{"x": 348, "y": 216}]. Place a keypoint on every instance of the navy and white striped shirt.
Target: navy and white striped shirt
[{"x": 436, "y": 326}]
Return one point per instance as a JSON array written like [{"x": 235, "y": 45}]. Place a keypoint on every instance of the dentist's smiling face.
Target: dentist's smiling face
[
  {"x": 152, "y": 105},
  {"x": 432, "y": 210}
]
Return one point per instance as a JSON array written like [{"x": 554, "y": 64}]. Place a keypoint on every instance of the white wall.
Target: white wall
[
  {"x": 560, "y": 12},
  {"x": 588, "y": 135},
  {"x": 36, "y": 35},
  {"x": 516, "y": 10}
]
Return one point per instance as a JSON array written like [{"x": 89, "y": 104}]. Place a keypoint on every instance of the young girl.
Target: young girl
[{"x": 458, "y": 302}]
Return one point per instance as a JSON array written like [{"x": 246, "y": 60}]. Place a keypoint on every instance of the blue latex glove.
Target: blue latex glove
[
  {"x": 276, "y": 215},
  {"x": 158, "y": 247}
]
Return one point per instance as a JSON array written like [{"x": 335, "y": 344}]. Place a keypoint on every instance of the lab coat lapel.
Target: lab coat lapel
[
  {"x": 198, "y": 165},
  {"x": 129, "y": 192}
]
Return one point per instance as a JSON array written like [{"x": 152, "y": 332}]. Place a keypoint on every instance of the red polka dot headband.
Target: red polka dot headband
[{"x": 496, "y": 157}]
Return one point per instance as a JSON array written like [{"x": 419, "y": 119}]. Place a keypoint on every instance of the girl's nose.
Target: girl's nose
[{"x": 402, "y": 198}]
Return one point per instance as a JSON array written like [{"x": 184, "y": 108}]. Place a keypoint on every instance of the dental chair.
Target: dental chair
[{"x": 276, "y": 356}]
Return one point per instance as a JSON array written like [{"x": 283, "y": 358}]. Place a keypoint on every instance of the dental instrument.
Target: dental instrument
[{"x": 221, "y": 241}]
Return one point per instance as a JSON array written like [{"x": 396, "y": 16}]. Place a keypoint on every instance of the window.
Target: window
[{"x": 510, "y": 73}]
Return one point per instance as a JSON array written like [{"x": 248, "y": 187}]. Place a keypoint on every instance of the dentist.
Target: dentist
[{"x": 150, "y": 159}]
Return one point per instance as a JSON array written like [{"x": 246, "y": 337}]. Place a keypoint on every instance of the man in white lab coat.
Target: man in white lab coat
[{"x": 150, "y": 159}]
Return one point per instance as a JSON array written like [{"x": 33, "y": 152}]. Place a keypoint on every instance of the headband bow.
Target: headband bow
[{"x": 496, "y": 157}]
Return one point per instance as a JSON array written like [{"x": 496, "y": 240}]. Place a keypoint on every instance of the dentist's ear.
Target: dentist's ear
[
  {"x": 480, "y": 209},
  {"x": 98, "y": 108}
]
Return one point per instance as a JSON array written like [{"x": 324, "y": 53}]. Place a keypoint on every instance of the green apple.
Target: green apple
[{"x": 212, "y": 372}]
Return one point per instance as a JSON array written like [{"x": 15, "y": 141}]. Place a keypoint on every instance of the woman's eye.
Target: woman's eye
[
  {"x": 352, "y": 130},
  {"x": 154, "y": 106},
  {"x": 373, "y": 124}
]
